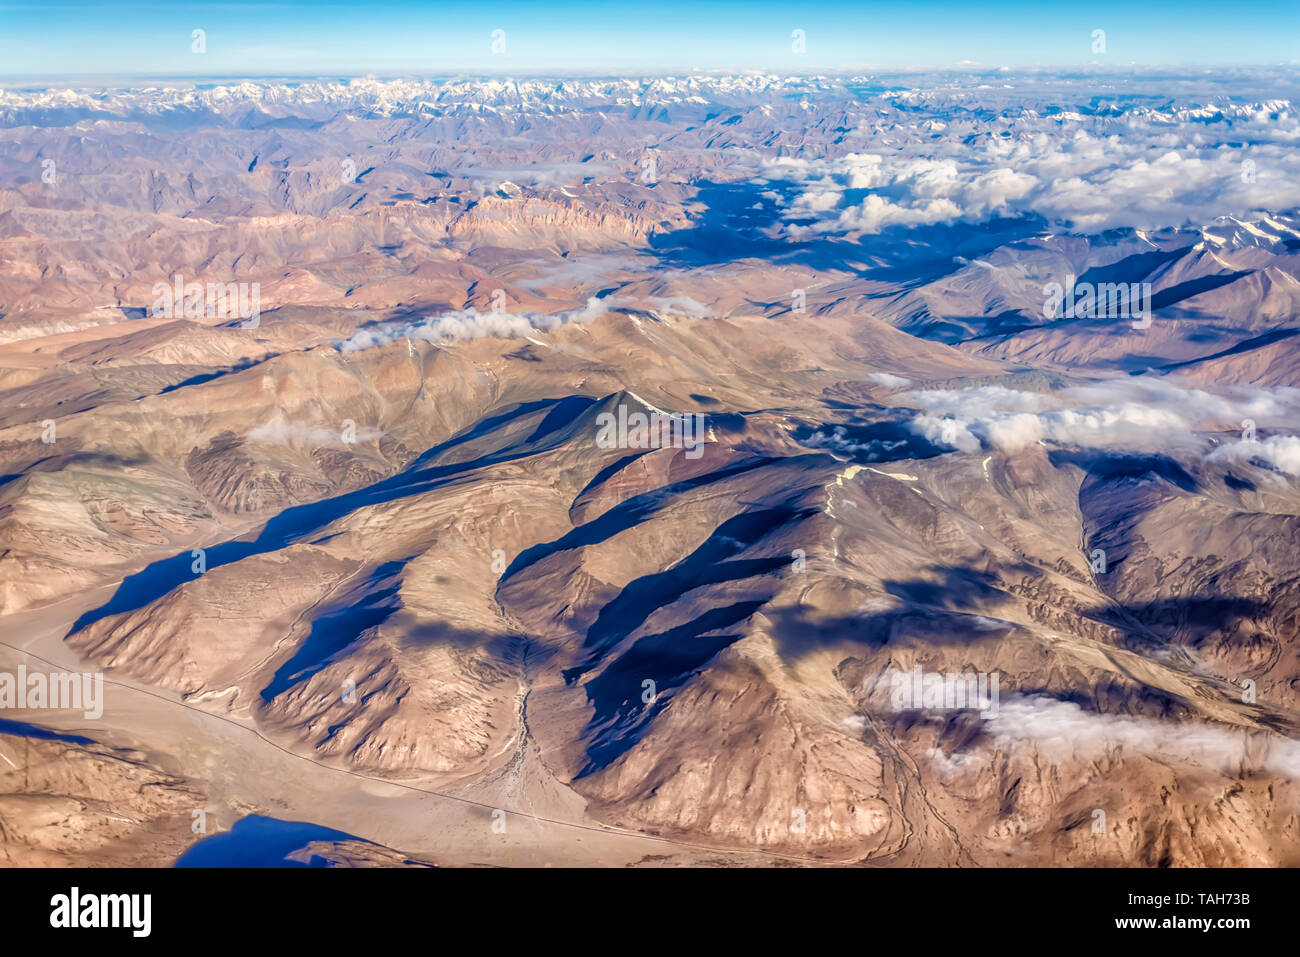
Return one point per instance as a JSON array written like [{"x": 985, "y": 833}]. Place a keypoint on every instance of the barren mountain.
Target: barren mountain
[{"x": 589, "y": 471}]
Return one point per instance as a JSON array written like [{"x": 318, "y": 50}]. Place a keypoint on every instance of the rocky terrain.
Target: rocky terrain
[{"x": 349, "y": 546}]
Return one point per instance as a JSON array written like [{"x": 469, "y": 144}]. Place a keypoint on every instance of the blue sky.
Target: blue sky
[{"x": 248, "y": 37}]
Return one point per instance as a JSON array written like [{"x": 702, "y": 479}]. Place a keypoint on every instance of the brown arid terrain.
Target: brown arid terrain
[{"x": 355, "y": 543}]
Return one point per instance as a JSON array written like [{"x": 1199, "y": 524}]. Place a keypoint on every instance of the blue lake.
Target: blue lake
[
  {"x": 257, "y": 841},
  {"x": 22, "y": 729}
]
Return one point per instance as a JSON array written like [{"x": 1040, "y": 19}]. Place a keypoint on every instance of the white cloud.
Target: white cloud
[
  {"x": 876, "y": 213},
  {"x": 836, "y": 441},
  {"x": 1133, "y": 412},
  {"x": 1152, "y": 168},
  {"x": 978, "y": 401},
  {"x": 888, "y": 380},
  {"x": 1280, "y": 452},
  {"x": 816, "y": 201},
  {"x": 1066, "y": 729},
  {"x": 469, "y": 324},
  {"x": 679, "y": 306}
]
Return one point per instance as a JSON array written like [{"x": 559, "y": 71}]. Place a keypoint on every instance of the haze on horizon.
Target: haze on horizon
[{"x": 296, "y": 37}]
